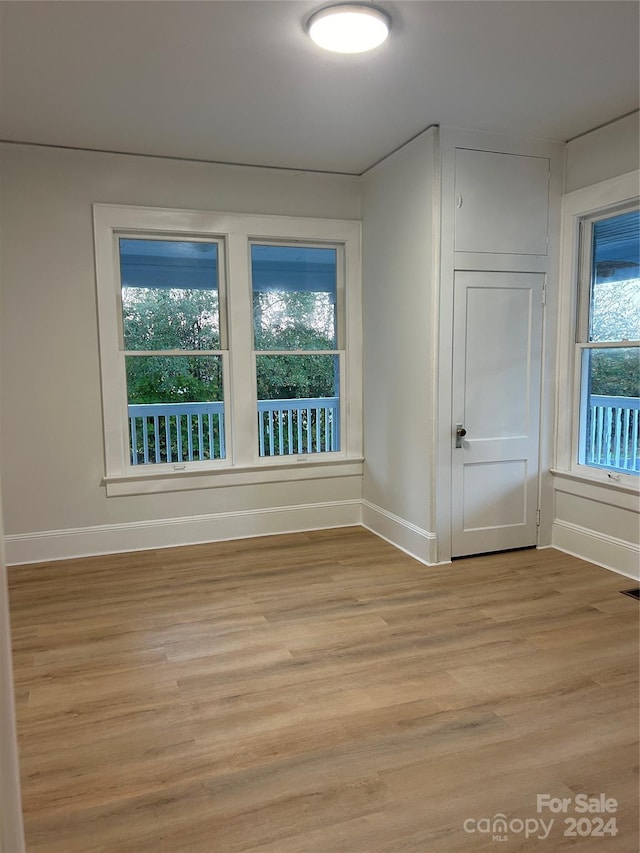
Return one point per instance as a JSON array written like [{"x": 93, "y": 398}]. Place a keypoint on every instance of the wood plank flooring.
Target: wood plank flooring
[{"x": 321, "y": 693}]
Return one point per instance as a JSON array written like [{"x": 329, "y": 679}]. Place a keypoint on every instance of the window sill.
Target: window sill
[
  {"x": 155, "y": 482},
  {"x": 621, "y": 494}
]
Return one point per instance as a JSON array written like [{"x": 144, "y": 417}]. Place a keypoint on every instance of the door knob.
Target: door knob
[{"x": 460, "y": 434}]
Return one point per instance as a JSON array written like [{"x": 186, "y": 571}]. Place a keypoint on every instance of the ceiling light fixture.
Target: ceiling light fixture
[{"x": 349, "y": 28}]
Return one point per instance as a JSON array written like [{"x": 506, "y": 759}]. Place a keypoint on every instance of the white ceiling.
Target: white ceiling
[{"x": 240, "y": 82}]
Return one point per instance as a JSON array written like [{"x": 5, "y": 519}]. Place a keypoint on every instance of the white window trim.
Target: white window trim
[
  {"x": 588, "y": 201},
  {"x": 242, "y": 466}
]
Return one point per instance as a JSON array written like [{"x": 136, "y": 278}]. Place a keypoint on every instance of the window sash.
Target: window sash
[
  {"x": 340, "y": 310},
  {"x": 172, "y": 236},
  {"x": 586, "y": 226},
  {"x": 607, "y": 344},
  {"x": 333, "y": 447},
  {"x": 608, "y": 426}
]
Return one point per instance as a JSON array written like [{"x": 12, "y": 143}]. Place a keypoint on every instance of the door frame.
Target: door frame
[{"x": 442, "y": 328}]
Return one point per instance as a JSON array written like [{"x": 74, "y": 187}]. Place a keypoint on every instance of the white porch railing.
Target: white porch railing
[
  {"x": 300, "y": 426},
  {"x": 613, "y": 433},
  {"x": 188, "y": 432},
  {"x": 176, "y": 432},
  {"x": 192, "y": 432}
]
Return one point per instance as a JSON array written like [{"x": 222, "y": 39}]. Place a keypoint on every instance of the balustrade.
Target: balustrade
[
  {"x": 613, "y": 433},
  {"x": 193, "y": 432}
]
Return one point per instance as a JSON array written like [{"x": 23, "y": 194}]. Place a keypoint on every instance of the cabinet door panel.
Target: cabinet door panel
[{"x": 501, "y": 203}]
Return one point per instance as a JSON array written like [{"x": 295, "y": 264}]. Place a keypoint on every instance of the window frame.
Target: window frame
[
  {"x": 222, "y": 352},
  {"x": 234, "y": 233},
  {"x": 340, "y": 350},
  {"x": 586, "y": 205}
]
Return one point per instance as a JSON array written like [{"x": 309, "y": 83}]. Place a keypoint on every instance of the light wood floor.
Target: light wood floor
[{"x": 320, "y": 692}]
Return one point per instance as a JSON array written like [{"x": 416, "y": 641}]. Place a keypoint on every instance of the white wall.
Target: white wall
[
  {"x": 399, "y": 330},
  {"x": 604, "y": 153},
  {"x": 11, "y": 833},
  {"x": 11, "y": 830},
  {"x": 52, "y": 456},
  {"x": 599, "y": 522}
]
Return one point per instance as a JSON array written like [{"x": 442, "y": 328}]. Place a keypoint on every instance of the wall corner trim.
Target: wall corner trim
[{"x": 413, "y": 540}]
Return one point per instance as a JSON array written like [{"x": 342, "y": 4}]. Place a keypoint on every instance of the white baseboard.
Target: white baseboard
[
  {"x": 413, "y": 540},
  {"x": 48, "y": 545},
  {"x": 599, "y": 548}
]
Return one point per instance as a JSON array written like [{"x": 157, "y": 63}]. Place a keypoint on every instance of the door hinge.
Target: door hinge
[
  {"x": 544, "y": 290},
  {"x": 537, "y": 518}
]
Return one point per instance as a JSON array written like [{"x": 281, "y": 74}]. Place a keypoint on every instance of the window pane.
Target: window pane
[
  {"x": 169, "y": 295},
  {"x": 611, "y": 409},
  {"x": 294, "y": 297},
  {"x": 298, "y": 404},
  {"x": 175, "y": 408},
  {"x": 615, "y": 284}
]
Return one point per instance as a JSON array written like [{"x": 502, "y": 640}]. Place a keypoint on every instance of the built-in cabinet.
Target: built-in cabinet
[
  {"x": 498, "y": 199},
  {"x": 501, "y": 203}
]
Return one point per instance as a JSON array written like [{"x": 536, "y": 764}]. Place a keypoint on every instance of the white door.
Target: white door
[{"x": 496, "y": 410}]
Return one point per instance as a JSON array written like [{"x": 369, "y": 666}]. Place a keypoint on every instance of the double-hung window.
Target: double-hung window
[
  {"x": 172, "y": 346},
  {"x": 607, "y": 366},
  {"x": 296, "y": 326},
  {"x": 230, "y": 348}
]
